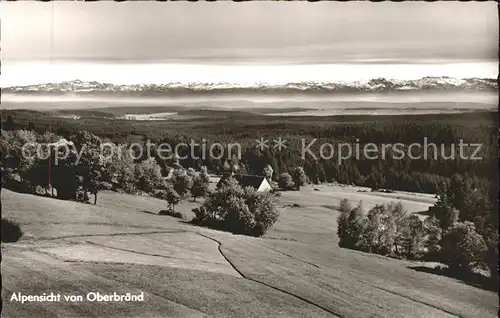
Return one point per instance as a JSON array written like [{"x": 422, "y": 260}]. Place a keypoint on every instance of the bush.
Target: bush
[
  {"x": 434, "y": 234},
  {"x": 263, "y": 209},
  {"x": 462, "y": 247},
  {"x": 350, "y": 226},
  {"x": 182, "y": 182},
  {"x": 170, "y": 195},
  {"x": 204, "y": 174},
  {"x": 345, "y": 206},
  {"x": 268, "y": 172},
  {"x": 285, "y": 181},
  {"x": 299, "y": 177},
  {"x": 129, "y": 187},
  {"x": 11, "y": 231},
  {"x": 106, "y": 186},
  {"x": 385, "y": 229},
  {"x": 378, "y": 231},
  {"x": 444, "y": 212},
  {"x": 39, "y": 190},
  {"x": 199, "y": 188},
  {"x": 411, "y": 238},
  {"x": 241, "y": 211},
  {"x": 81, "y": 195},
  {"x": 148, "y": 175}
]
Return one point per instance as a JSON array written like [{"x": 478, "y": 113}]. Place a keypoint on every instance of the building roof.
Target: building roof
[{"x": 245, "y": 180}]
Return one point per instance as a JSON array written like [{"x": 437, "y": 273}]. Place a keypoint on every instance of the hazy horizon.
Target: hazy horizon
[{"x": 241, "y": 74}]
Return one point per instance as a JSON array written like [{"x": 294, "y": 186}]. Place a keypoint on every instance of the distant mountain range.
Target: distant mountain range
[{"x": 174, "y": 89}]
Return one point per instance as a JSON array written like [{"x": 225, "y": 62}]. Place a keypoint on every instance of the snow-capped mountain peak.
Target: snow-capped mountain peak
[{"x": 372, "y": 85}]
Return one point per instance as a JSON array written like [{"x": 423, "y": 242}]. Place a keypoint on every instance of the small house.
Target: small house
[{"x": 259, "y": 183}]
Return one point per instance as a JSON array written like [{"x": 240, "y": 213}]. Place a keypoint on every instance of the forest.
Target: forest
[
  {"x": 465, "y": 217},
  {"x": 418, "y": 175}
]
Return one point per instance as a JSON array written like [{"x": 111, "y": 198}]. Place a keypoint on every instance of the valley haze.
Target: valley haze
[{"x": 314, "y": 98}]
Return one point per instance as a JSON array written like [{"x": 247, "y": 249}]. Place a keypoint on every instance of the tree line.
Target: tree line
[
  {"x": 89, "y": 168},
  {"x": 433, "y": 175},
  {"x": 418, "y": 175},
  {"x": 460, "y": 230}
]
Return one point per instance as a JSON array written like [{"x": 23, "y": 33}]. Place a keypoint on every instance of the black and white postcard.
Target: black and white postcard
[{"x": 249, "y": 159}]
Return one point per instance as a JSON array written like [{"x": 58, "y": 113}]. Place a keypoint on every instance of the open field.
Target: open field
[{"x": 295, "y": 270}]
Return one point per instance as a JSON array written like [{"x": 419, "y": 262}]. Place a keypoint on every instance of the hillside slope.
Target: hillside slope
[{"x": 297, "y": 270}]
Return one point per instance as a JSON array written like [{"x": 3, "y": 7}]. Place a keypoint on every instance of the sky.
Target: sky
[{"x": 141, "y": 42}]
